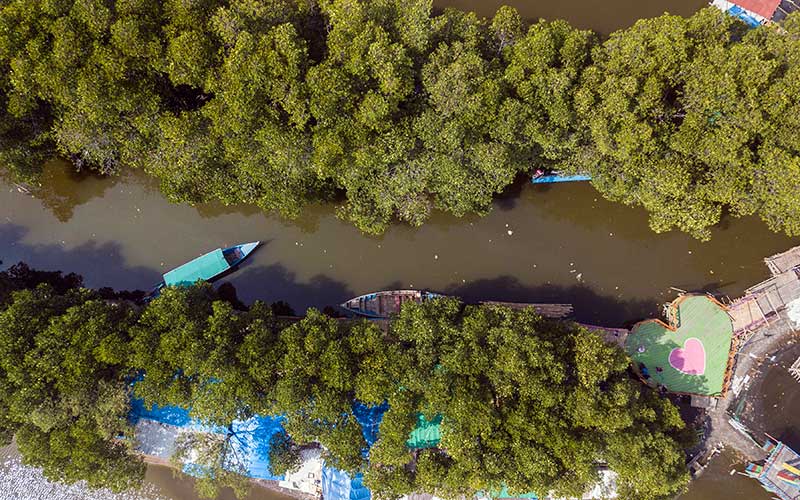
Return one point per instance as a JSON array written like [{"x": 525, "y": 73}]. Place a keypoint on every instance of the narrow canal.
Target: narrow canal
[{"x": 556, "y": 243}]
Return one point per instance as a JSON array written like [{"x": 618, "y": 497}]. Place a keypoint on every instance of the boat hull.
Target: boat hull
[
  {"x": 382, "y": 305},
  {"x": 207, "y": 267}
]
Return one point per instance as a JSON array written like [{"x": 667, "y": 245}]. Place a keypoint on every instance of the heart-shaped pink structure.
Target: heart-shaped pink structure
[{"x": 691, "y": 359}]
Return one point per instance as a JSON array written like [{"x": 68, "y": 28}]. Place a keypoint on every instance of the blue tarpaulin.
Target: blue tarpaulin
[
  {"x": 249, "y": 439},
  {"x": 502, "y": 494},
  {"x": 337, "y": 485},
  {"x": 250, "y": 444},
  {"x": 370, "y": 419},
  {"x": 172, "y": 415},
  {"x": 744, "y": 16}
]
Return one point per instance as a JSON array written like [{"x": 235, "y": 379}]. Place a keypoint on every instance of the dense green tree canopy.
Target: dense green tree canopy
[
  {"x": 524, "y": 403},
  {"x": 63, "y": 392},
  {"x": 688, "y": 117},
  {"x": 392, "y": 109}
]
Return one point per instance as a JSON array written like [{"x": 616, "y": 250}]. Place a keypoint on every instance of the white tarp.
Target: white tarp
[{"x": 793, "y": 311}]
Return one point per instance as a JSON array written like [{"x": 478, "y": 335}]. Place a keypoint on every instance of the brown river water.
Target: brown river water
[{"x": 555, "y": 243}]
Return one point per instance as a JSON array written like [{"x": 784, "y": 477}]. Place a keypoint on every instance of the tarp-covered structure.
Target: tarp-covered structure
[
  {"x": 204, "y": 267},
  {"x": 337, "y": 485},
  {"x": 249, "y": 440},
  {"x": 426, "y": 434}
]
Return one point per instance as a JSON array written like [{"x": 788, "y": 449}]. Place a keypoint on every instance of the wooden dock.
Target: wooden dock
[
  {"x": 554, "y": 311},
  {"x": 614, "y": 336},
  {"x": 784, "y": 261},
  {"x": 762, "y": 302}
]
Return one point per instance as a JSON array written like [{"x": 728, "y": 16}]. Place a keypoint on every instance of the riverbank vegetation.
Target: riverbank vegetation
[
  {"x": 391, "y": 109},
  {"x": 525, "y": 403}
]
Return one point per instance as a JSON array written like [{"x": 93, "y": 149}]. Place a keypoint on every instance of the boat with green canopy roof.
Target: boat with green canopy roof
[{"x": 208, "y": 266}]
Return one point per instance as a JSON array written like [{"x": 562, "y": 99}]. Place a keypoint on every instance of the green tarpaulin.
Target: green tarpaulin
[
  {"x": 505, "y": 494},
  {"x": 204, "y": 267},
  {"x": 426, "y": 434}
]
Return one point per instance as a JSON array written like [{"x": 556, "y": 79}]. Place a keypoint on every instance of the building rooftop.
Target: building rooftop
[
  {"x": 780, "y": 473},
  {"x": 764, "y": 8}
]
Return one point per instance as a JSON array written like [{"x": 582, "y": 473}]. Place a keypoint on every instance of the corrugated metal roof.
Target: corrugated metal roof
[{"x": 204, "y": 267}]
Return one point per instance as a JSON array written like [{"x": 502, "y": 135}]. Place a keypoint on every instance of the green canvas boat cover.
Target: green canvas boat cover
[
  {"x": 505, "y": 494},
  {"x": 426, "y": 434},
  {"x": 204, "y": 267}
]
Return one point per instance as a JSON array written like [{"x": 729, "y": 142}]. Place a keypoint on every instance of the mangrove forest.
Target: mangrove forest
[
  {"x": 525, "y": 403},
  {"x": 391, "y": 109}
]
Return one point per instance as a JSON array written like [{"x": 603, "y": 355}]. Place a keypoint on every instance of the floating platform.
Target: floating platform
[{"x": 691, "y": 354}]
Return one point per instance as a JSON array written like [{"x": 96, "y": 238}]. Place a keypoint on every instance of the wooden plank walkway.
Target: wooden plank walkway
[{"x": 554, "y": 311}]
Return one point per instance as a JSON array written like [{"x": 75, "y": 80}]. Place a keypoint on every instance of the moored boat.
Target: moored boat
[
  {"x": 207, "y": 266},
  {"x": 542, "y": 177},
  {"x": 381, "y": 305}
]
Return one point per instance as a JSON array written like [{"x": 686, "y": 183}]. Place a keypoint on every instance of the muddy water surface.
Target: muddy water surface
[
  {"x": 603, "y": 16},
  {"x": 558, "y": 243}
]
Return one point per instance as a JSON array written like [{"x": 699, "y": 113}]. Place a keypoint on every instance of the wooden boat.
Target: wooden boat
[
  {"x": 207, "y": 266},
  {"x": 381, "y": 305}
]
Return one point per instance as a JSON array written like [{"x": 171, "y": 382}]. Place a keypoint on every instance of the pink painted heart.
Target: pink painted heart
[{"x": 691, "y": 359}]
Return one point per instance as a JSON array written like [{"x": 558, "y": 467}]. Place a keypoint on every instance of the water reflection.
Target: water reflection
[
  {"x": 57, "y": 188},
  {"x": 181, "y": 487},
  {"x": 102, "y": 261},
  {"x": 603, "y": 17},
  {"x": 773, "y": 399}
]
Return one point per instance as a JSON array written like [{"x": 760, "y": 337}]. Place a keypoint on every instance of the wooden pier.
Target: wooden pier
[
  {"x": 762, "y": 302},
  {"x": 553, "y": 311}
]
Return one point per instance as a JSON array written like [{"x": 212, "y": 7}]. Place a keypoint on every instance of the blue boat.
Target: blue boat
[
  {"x": 542, "y": 178},
  {"x": 207, "y": 266},
  {"x": 382, "y": 305}
]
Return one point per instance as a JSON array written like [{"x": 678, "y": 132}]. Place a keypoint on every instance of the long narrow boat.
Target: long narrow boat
[
  {"x": 381, "y": 305},
  {"x": 207, "y": 266},
  {"x": 540, "y": 177}
]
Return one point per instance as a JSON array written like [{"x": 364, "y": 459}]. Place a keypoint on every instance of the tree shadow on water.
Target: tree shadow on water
[
  {"x": 509, "y": 197},
  {"x": 276, "y": 283},
  {"x": 589, "y": 306},
  {"x": 100, "y": 264}
]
